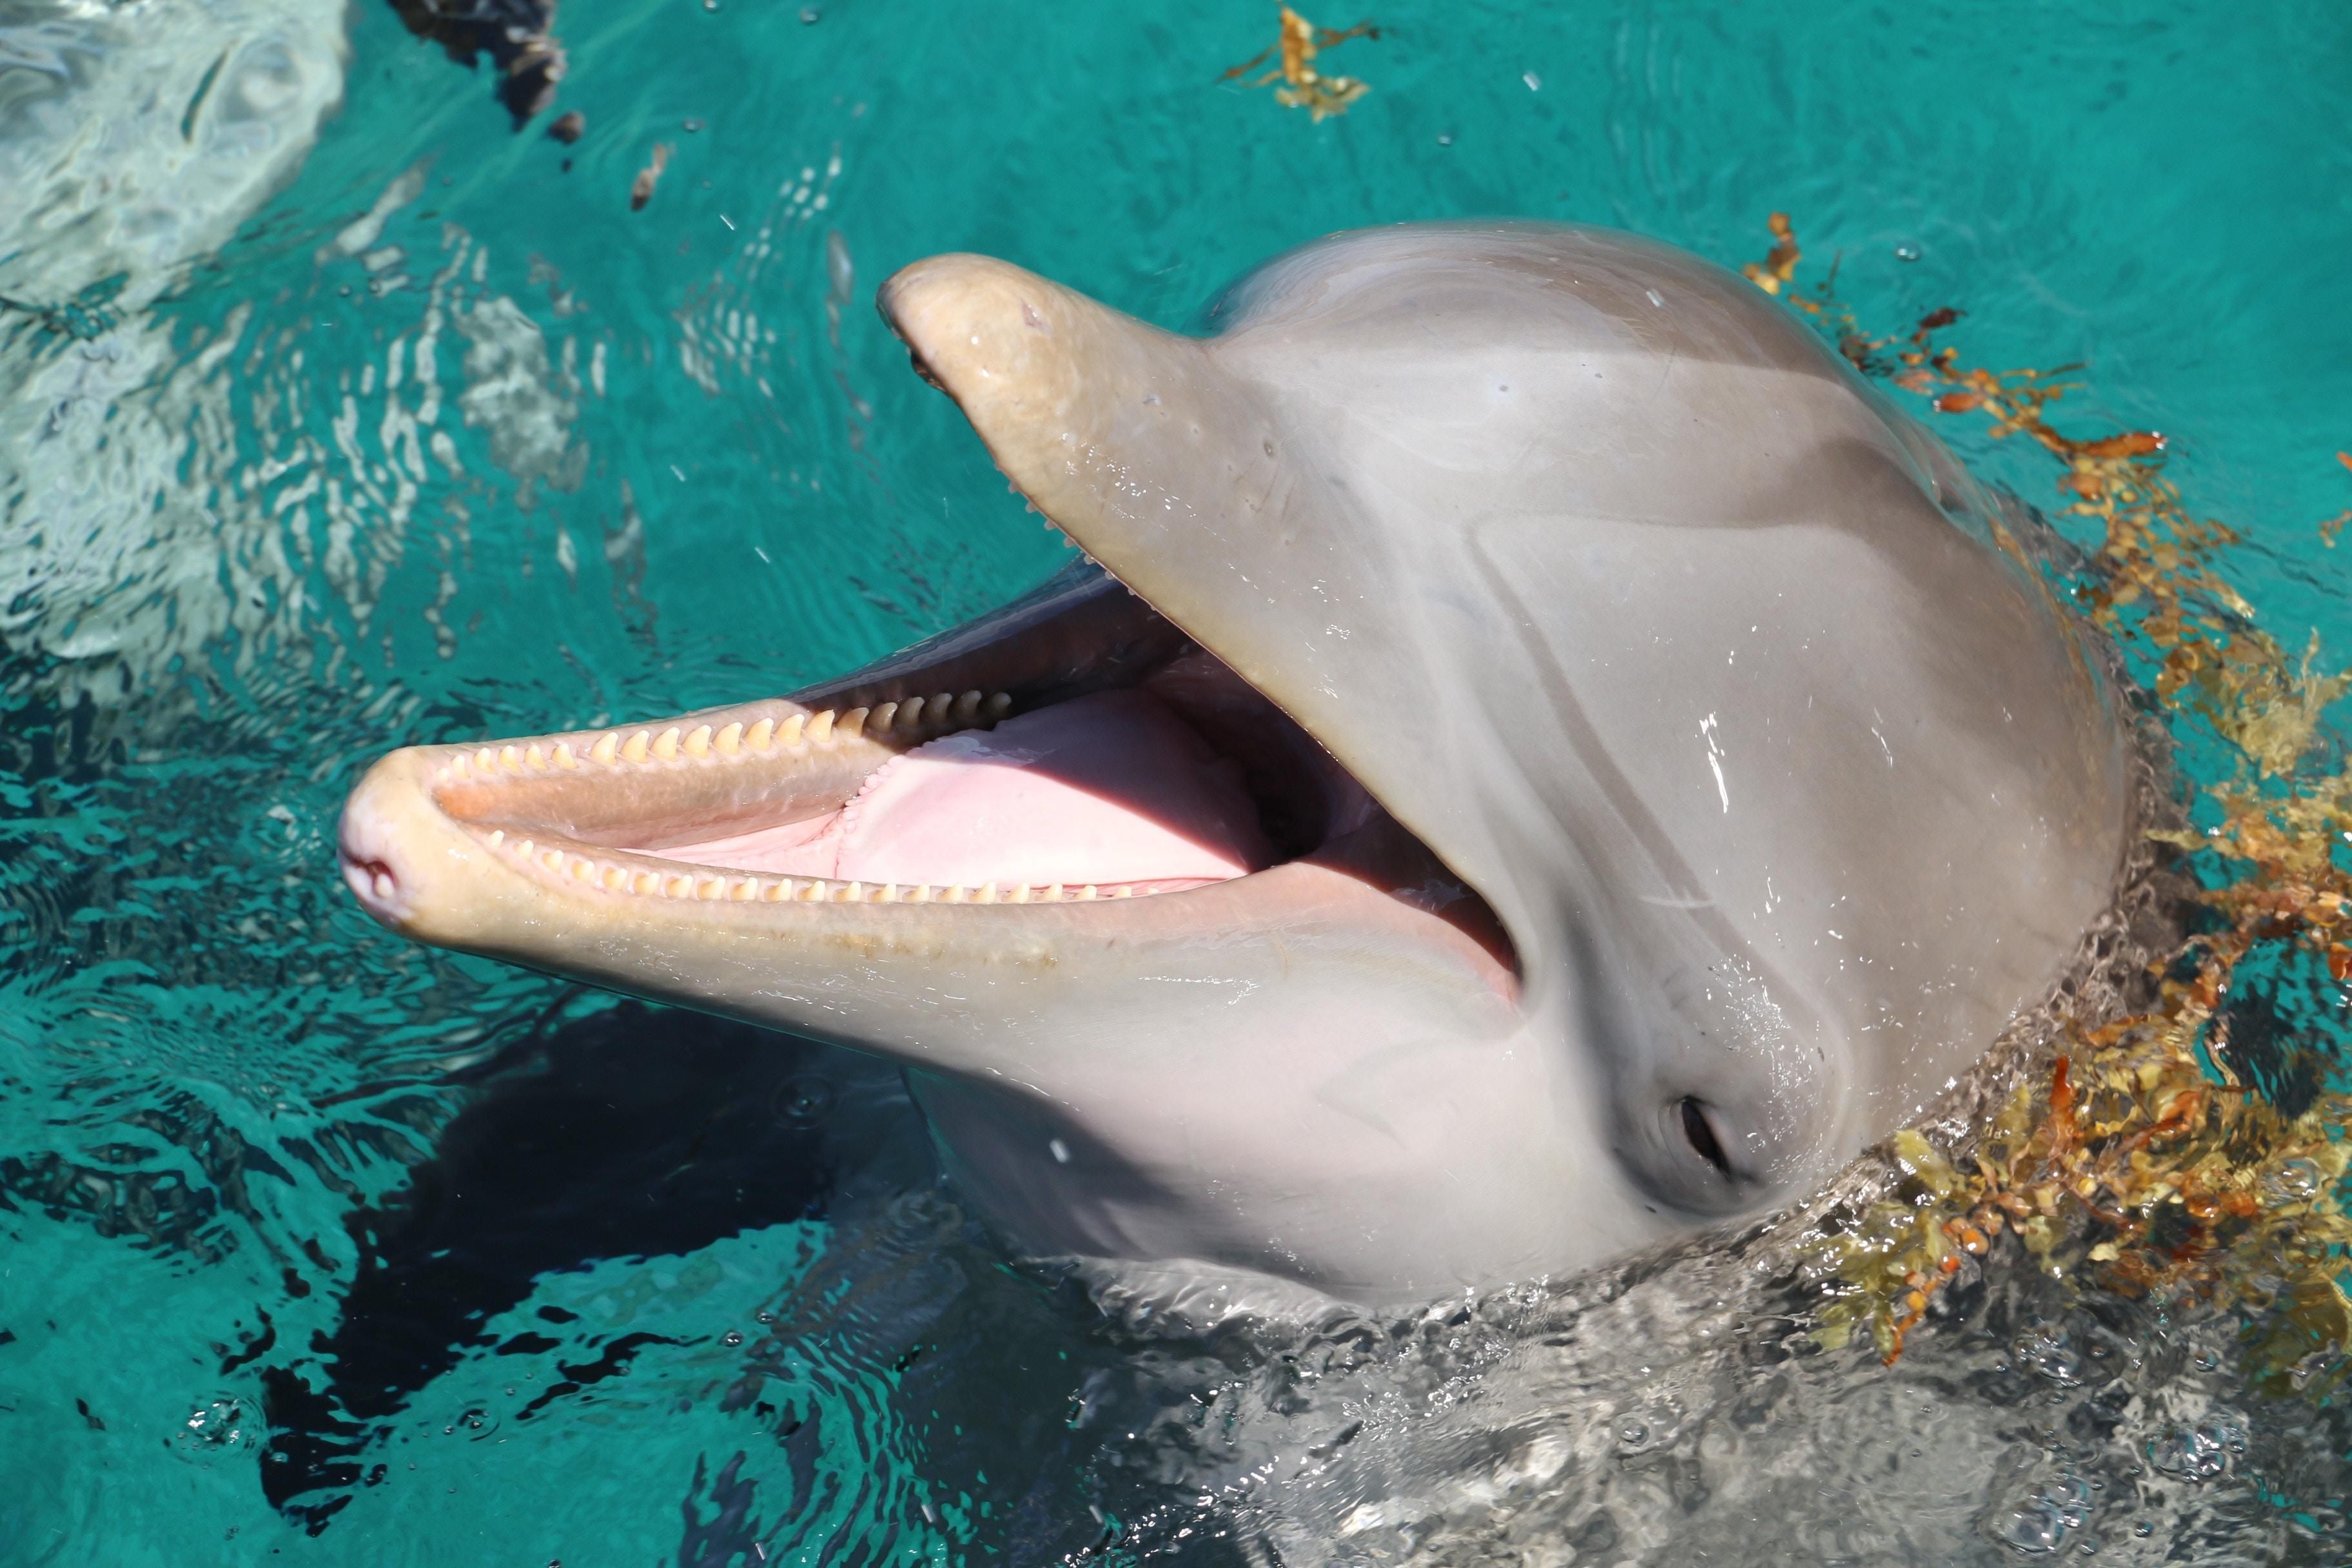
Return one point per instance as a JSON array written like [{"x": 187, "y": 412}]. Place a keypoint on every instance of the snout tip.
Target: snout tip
[
  {"x": 991, "y": 335},
  {"x": 374, "y": 849}
]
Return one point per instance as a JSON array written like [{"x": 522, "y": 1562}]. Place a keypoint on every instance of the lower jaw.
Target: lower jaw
[{"x": 663, "y": 879}]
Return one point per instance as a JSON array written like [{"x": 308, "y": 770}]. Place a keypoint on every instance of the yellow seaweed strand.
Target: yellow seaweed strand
[{"x": 1303, "y": 86}]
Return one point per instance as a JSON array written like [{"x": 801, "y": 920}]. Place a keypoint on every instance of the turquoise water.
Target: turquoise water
[{"x": 333, "y": 415}]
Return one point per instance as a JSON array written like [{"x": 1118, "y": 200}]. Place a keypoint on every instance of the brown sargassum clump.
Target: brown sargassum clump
[
  {"x": 2168, "y": 1129},
  {"x": 518, "y": 36}
]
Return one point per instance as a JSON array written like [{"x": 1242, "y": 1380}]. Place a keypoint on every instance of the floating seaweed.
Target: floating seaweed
[
  {"x": 2191, "y": 1149},
  {"x": 1303, "y": 86},
  {"x": 1779, "y": 267},
  {"x": 641, "y": 189},
  {"x": 2334, "y": 525}
]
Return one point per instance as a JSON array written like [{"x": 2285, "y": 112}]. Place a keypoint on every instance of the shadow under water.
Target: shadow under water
[{"x": 634, "y": 1131}]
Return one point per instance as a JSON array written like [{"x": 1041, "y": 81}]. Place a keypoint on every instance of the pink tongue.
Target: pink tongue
[{"x": 1106, "y": 789}]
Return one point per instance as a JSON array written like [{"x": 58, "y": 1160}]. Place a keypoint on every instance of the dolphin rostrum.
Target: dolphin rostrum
[{"x": 1547, "y": 761}]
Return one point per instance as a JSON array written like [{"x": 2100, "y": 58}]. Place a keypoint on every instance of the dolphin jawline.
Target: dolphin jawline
[{"x": 1546, "y": 762}]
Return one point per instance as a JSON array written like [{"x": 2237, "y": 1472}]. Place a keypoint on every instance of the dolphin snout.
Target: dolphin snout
[{"x": 376, "y": 858}]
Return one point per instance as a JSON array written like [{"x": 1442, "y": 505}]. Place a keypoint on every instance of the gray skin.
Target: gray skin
[{"x": 1737, "y": 783}]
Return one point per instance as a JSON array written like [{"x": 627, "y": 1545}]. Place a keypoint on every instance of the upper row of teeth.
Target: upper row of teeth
[
  {"x": 902, "y": 720},
  {"x": 739, "y": 887}
]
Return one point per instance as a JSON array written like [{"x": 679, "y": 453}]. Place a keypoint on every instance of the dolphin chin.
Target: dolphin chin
[{"x": 1548, "y": 761}]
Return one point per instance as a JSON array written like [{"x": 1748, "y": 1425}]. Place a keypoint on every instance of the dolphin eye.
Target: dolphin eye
[{"x": 1698, "y": 1128}]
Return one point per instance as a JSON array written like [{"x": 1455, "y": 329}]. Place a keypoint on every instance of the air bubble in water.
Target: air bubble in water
[
  {"x": 2197, "y": 1454},
  {"x": 2047, "y": 1351},
  {"x": 804, "y": 1101},
  {"x": 2295, "y": 1180},
  {"x": 2047, "y": 1517},
  {"x": 219, "y": 1424}
]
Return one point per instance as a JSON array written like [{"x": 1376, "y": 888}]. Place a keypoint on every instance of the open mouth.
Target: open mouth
[
  {"x": 1073, "y": 747},
  {"x": 1076, "y": 747}
]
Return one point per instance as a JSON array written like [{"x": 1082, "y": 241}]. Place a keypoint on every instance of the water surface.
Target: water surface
[{"x": 335, "y": 414}]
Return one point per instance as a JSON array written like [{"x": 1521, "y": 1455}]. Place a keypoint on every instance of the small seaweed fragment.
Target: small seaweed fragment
[
  {"x": 641, "y": 189},
  {"x": 1779, "y": 267},
  {"x": 2191, "y": 1149},
  {"x": 2334, "y": 525},
  {"x": 1303, "y": 86}
]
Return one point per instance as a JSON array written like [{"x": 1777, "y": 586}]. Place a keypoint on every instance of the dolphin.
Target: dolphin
[{"x": 1538, "y": 760}]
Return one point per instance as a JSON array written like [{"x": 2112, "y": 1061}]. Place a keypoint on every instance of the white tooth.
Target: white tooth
[
  {"x": 679, "y": 887},
  {"x": 889, "y": 895},
  {"x": 815, "y": 893},
  {"x": 1020, "y": 894},
  {"x": 821, "y": 727},
  {"x": 512, "y": 759},
  {"x": 583, "y": 870},
  {"x": 552, "y": 859},
  {"x": 967, "y": 708},
  {"x": 987, "y": 894},
  {"x": 910, "y": 713},
  {"x": 1054, "y": 894},
  {"x": 760, "y": 734},
  {"x": 563, "y": 755},
  {"x": 384, "y": 886},
  {"x": 486, "y": 759},
  {"x": 645, "y": 884},
  {"x": 920, "y": 894},
  {"x": 534, "y": 756},
  {"x": 997, "y": 706},
  {"x": 853, "y": 723},
  {"x": 526, "y": 848},
  {"x": 885, "y": 714},
  {"x": 633, "y": 750},
  {"x": 728, "y": 740},
  {"x": 461, "y": 766},
  {"x": 606, "y": 748},
  {"x": 1122, "y": 892},
  {"x": 853, "y": 894},
  {"x": 746, "y": 891},
  {"x": 617, "y": 880},
  {"x": 779, "y": 892},
  {"x": 498, "y": 837},
  {"x": 711, "y": 887},
  {"x": 697, "y": 744},
  {"x": 667, "y": 747},
  {"x": 1088, "y": 893},
  {"x": 951, "y": 896},
  {"x": 789, "y": 731},
  {"x": 939, "y": 707}
]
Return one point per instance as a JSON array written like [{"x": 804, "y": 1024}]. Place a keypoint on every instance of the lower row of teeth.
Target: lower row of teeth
[{"x": 738, "y": 887}]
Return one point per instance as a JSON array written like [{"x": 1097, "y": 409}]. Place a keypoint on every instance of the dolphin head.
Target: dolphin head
[{"x": 1539, "y": 759}]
